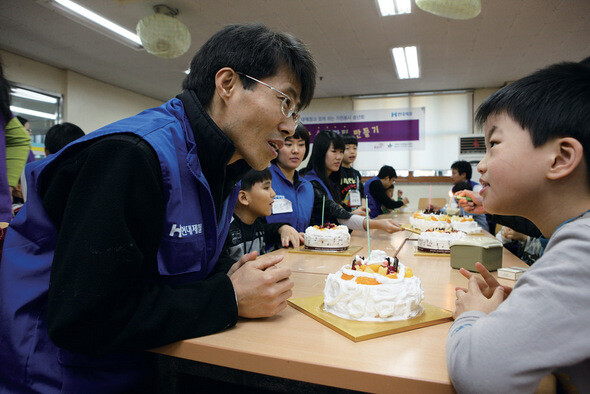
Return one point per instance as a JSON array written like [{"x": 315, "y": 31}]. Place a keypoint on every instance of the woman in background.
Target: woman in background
[
  {"x": 323, "y": 171},
  {"x": 294, "y": 194}
]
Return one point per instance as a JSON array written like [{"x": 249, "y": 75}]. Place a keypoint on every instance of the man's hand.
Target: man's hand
[
  {"x": 474, "y": 300},
  {"x": 387, "y": 225},
  {"x": 487, "y": 284},
  {"x": 261, "y": 288},
  {"x": 290, "y": 236},
  {"x": 475, "y": 206}
]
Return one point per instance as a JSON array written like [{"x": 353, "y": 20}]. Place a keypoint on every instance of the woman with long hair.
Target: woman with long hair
[
  {"x": 294, "y": 194},
  {"x": 15, "y": 144},
  {"x": 323, "y": 171}
]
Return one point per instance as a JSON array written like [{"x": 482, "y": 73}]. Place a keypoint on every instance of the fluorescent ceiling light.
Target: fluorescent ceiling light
[
  {"x": 97, "y": 22},
  {"x": 38, "y": 114},
  {"x": 394, "y": 7},
  {"x": 27, "y": 94},
  {"x": 406, "y": 62}
]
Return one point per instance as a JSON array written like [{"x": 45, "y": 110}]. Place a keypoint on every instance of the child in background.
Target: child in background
[
  {"x": 376, "y": 188},
  {"x": 537, "y": 132},
  {"x": 248, "y": 233},
  {"x": 352, "y": 191}
]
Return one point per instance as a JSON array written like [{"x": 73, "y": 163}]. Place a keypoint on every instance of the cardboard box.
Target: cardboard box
[
  {"x": 512, "y": 273},
  {"x": 470, "y": 250}
]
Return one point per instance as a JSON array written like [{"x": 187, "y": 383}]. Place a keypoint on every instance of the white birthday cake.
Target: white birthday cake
[
  {"x": 466, "y": 224},
  {"x": 328, "y": 237},
  {"x": 438, "y": 241},
  {"x": 378, "y": 289},
  {"x": 425, "y": 220}
]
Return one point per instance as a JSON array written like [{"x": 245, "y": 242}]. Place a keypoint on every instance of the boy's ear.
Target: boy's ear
[
  {"x": 243, "y": 197},
  {"x": 568, "y": 153}
]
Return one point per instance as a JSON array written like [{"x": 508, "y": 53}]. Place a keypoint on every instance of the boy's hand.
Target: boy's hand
[
  {"x": 261, "y": 288},
  {"x": 487, "y": 283},
  {"x": 361, "y": 210},
  {"x": 387, "y": 225},
  {"x": 509, "y": 233},
  {"x": 474, "y": 300},
  {"x": 475, "y": 206},
  {"x": 290, "y": 236}
]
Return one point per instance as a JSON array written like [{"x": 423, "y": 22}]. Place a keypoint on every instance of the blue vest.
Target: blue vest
[
  {"x": 374, "y": 205},
  {"x": 301, "y": 200},
  {"x": 313, "y": 176},
  {"x": 190, "y": 244}
]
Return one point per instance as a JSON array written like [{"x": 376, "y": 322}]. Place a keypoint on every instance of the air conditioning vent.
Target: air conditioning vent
[{"x": 472, "y": 144}]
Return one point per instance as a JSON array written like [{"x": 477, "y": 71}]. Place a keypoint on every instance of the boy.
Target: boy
[
  {"x": 247, "y": 232},
  {"x": 537, "y": 133},
  {"x": 461, "y": 172},
  {"x": 351, "y": 186},
  {"x": 376, "y": 192}
]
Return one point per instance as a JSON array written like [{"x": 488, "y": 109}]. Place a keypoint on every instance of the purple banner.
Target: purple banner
[{"x": 372, "y": 131}]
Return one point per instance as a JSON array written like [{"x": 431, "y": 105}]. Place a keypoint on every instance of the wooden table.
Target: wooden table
[{"x": 292, "y": 345}]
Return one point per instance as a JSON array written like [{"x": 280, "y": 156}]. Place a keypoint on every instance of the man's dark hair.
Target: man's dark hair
[
  {"x": 317, "y": 160},
  {"x": 253, "y": 177},
  {"x": 22, "y": 120},
  {"x": 387, "y": 172},
  {"x": 550, "y": 103},
  {"x": 463, "y": 167},
  {"x": 350, "y": 139},
  {"x": 461, "y": 186},
  {"x": 301, "y": 133},
  {"x": 254, "y": 50},
  {"x": 60, "y": 135}
]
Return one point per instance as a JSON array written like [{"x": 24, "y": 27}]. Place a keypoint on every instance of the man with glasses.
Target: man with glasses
[
  {"x": 376, "y": 190},
  {"x": 128, "y": 223}
]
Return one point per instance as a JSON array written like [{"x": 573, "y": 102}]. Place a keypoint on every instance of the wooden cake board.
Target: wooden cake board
[
  {"x": 362, "y": 330},
  {"x": 351, "y": 251}
]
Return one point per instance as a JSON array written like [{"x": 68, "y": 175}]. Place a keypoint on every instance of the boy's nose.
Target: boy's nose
[{"x": 481, "y": 167}]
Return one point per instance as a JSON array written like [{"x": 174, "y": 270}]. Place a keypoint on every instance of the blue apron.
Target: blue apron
[
  {"x": 301, "y": 199},
  {"x": 190, "y": 244},
  {"x": 374, "y": 205}
]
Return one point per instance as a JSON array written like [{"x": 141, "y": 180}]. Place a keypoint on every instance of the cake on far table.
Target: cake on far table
[
  {"x": 438, "y": 241},
  {"x": 466, "y": 224},
  {"x": 428, "y": 220},
  {"x": 377, "y": 289},
  {"x": 329, "y": 237}
]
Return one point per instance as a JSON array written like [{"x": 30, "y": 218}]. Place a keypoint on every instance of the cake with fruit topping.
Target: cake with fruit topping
[
  {"x": 466, "y": 224},
  {"x": 430, "y": 220},
  {"x": 377, "y": 289},
  {"x": 438, "y": 241},
  {"x": 329, "y": 237}
]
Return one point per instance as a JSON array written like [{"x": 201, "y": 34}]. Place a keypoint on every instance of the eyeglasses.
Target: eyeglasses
[{"x": 288, "y": 105}]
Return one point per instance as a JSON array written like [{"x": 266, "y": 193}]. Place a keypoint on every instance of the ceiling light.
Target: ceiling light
[
  {"x": 453, "y": 9},
  {"x": 406, "y": 62},
  {"x": 31, "y": 112},
  {"x": 96, "y": 22},
  {"x": 394, "y": 7},
  {"x": 27, "y": 94}
]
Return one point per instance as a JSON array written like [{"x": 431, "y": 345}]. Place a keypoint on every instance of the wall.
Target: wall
[{"x": 87, "y": 102}]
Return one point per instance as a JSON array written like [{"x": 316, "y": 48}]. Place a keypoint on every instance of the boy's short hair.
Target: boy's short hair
[
  {"x": 462, "y": 167},
  {"x": 550, "y": 103},
  {"x": 253, "y": 177},
  {"x": 350, "y": 139},
  {"x": 60, "y": 135},
  {"x": 387, "y": 172},
  {"x": 461, "y": 186},
  {"x": 254, "y": 50}
]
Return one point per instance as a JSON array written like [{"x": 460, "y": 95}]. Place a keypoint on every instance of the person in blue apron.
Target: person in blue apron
[
  {"x": 294, "y": 194},
  {"x": 323, "y": 171},
  {"x": 129, "y": 221}
]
